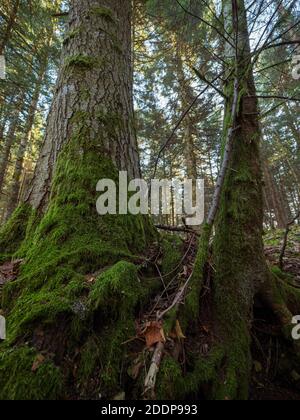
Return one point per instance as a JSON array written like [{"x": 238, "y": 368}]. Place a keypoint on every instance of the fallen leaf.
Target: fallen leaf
[
  {"x": 179, "y": 332},
  {"x": 9, "y": 271},
  {"x": 120, "y": 397},
  {"x": 154, "y": 333},
  {"x": 257, "y": 366},
  {"x": 37, "y": 363},
  {"x": 205, "y": 329}
]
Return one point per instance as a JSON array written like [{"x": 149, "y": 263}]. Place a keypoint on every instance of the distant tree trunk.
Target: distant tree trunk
[
  {"x": 15, "y": 186},
  {"x": 273, "y": 194},
  {"x": 95, "y": 83},
  {"x": 186, "y": 98},
  {"x": 10, "y": 25},
  {"x": 9, "y": 140}
]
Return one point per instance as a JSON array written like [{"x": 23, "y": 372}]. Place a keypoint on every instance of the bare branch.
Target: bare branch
[
  {"x": 61, "y": 14},
  {"x": 176, "y": 229},
  {"x": 206, "y": 23},
  {"x": 203, "y": 78},
  {"x": 281, "y": 44},
  {"x": 170, "y": 138},
  {"x": 285, "y": 98}
]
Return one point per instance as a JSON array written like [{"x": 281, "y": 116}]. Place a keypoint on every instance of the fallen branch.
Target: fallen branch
[
  {"x": 61, "y": 14},
  {"x": 176, "y": 229},
  {"x": 150, "y": 381},
  {"x": 178, "y": 298},
  {"x": 285, "y": 241}
]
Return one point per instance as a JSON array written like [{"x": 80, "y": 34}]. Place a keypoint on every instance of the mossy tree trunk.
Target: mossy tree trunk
[
  {"x": 60, "y": 306},
  {"x": 238, "y": 255},
  {"x": 234, "y": 264}
]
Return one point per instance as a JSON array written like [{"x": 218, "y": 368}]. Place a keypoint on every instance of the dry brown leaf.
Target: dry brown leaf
[
  {"x": 205, "y": 329},
  {"x": 37, "y": 363},
  {"x": 154, "y": 333},
  {"x": 179, "y": 332}
]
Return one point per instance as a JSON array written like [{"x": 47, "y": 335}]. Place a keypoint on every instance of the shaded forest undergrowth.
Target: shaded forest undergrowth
[{"x": 125, "y": 332}]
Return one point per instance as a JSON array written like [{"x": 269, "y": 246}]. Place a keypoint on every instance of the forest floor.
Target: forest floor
[
  {"x": 270, "y": 352},
  {"x": 269, "y": 379}
]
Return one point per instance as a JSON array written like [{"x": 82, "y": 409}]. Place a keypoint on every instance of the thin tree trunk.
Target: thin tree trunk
[
  {"x": 273, "y": 193},
  {"x": 15, "y": 187},
  {"x": 9, "y": 140}
]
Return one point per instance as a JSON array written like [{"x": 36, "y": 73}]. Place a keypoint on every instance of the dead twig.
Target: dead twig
[
  {"x": 285, "y": 240},
  {"x": 150, "y": 381},
  {"x": 176, "y": 229}
]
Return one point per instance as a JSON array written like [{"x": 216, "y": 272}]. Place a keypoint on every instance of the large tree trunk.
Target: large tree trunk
[
  {"x": 61, "y": 306},
  {"x": 96, "y": 84}
]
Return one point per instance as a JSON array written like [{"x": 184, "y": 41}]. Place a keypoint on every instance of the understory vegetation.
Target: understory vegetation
[{"x": 133, "y": 306}]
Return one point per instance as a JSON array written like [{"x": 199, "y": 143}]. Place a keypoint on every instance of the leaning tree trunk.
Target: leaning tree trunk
[{"x": 75, "y": 299}]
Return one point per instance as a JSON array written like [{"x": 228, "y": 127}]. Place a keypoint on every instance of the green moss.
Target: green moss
[
  {"x": 90, "y": 361},
  {"x": 103, "y": 12},
  {"x": 172, "y": 248},
  {"x": 13, "y": 232},
  {"x": 114, "y": 299},
  {"x": 62, "y": 247},
  {"x": 169, "y": 381},
  {"x": 72, "y": 34},
  {"x": 80, "y": 61},
  {"x": 19, "y": 382},
  {"x": 190, "y": 312},
  {"x": 202, "y": 375}
]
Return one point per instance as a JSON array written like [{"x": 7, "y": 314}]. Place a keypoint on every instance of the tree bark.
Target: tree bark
[{"x": 96, "y": 78}]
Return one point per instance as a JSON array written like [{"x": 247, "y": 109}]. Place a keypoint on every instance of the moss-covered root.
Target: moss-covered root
[
  {"x": 27, "y": 375},
  {"x": 13, "y": 232},
  {"x": 96, "y": 319},
  {"x": 224, "y": 374},
  {"x": 283, "y": 299}
]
